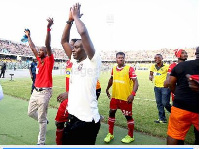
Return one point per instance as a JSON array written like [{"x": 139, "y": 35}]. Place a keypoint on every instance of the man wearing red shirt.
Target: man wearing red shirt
[
  {"x": 41, "y": 95},
  {"x": 182, "y": 56}
]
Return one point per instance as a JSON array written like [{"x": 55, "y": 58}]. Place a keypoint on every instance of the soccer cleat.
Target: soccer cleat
[
  {"x": 127, "y": 139},
  {"x": 160, "y": 121},
  {"x": 108, "y": 138}
]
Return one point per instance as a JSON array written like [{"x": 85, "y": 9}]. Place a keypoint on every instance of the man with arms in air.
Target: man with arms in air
[
  {"x": 39, "y": 101},
  {"x": 84, "y": 120}
]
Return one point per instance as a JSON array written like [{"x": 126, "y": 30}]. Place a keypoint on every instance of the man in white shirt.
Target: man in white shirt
[{"x": 84, "y": 120}]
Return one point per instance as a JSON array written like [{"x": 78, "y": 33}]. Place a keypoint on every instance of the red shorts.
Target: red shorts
[
  {"x": 62, "y": 113},
  {"x": 180, "y": 121},
  {"x": 125, "y": 107}
]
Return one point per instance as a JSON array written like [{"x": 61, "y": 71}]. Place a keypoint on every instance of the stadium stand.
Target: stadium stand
[{"x": 19, "y": 56}]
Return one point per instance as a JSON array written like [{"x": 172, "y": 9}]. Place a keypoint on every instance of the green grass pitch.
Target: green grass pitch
[{"x": 144, "y": 108}]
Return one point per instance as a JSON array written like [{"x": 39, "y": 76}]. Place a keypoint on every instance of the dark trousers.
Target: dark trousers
[
  {"x": 2, "y": 73},
  {"x": 79, "y": 132},
  {"x": 33, "y": 84},
  {"x": 98, "y": 92},
  {"x": 163, "y": 100}
]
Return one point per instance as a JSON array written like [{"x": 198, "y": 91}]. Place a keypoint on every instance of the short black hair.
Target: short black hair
[
  {"x": 159, "y": 55},
  {"x": 120, "y": 53},
  {"x": 74, "y": 40}
]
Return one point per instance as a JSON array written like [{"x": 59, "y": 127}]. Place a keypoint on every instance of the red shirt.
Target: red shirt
[
  {"x": 44, "y": 72},
  {"x": 171, "y": 67}
]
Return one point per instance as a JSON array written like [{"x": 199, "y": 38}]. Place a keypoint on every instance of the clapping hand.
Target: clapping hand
[{"x": 50, "y": 22}]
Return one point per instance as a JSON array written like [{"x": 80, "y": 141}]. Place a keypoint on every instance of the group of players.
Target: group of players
[{"x": 78, "y": 119}]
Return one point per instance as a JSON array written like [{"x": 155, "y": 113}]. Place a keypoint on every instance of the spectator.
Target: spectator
[
  {"x": 3, "y": 70},
  {"x": 32, "y": 71},
  {"x": 158, "y": 72}
]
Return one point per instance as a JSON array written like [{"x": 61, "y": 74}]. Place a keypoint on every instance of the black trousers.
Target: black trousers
[
  {"x": 79, "y": 132},
  {"x": 33, "y": 80},
  {"x": 2, "y": 73},
  {"x": 98, "y": 92}
]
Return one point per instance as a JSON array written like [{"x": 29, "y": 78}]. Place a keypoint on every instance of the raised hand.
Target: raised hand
[
  {"x": 76, "y": 10},
  {"x": 50, "y": 22},
  {"x": 27, "y": 32},
  {"x": 70, "y": 15}
]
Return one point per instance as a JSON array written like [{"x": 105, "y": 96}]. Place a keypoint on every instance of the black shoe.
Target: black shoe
[
  {"x": 160, "y": 121},
  {"x": 47, "y": 122}
]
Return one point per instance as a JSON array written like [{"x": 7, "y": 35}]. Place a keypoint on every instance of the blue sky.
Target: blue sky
[{"x": 112, "y": 24}]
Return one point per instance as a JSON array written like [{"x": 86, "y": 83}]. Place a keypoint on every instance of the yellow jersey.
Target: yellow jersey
[
  {"x": 122, "y": 84},
  {"x": 160, "y": 74}
]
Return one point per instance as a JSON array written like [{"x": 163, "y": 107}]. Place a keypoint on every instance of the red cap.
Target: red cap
[{"x": 178, "y": 52}]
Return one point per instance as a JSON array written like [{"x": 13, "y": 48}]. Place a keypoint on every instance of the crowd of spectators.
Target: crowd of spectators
[
  {"x": 146, "y": 55},
  {"x": 14, "y": 48},
  {"x": 14, "y": 63},
  {"x": 137, "y": 58}
]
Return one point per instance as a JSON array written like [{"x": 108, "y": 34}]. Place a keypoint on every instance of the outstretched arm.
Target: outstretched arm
[
  {"x": 82, "y": 30},
  {"x": 66, "y": 35},
  {"x": 48, "y": 37},
  {"x": 31, "y": 44}
]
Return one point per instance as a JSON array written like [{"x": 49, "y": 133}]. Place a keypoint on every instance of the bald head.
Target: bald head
[{"x": 42, "y": 52}]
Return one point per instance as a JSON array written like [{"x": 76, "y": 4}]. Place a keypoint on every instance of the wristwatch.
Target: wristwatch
[{"x": 69, "y": 22}]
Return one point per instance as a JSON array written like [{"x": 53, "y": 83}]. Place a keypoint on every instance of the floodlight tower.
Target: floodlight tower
[{"x": 110, "y": 20}]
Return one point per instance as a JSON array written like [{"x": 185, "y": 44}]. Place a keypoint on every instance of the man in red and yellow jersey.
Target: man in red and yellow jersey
[
  {"x": 62, "y": 113},
  {"x": 124, "y": 86}
]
